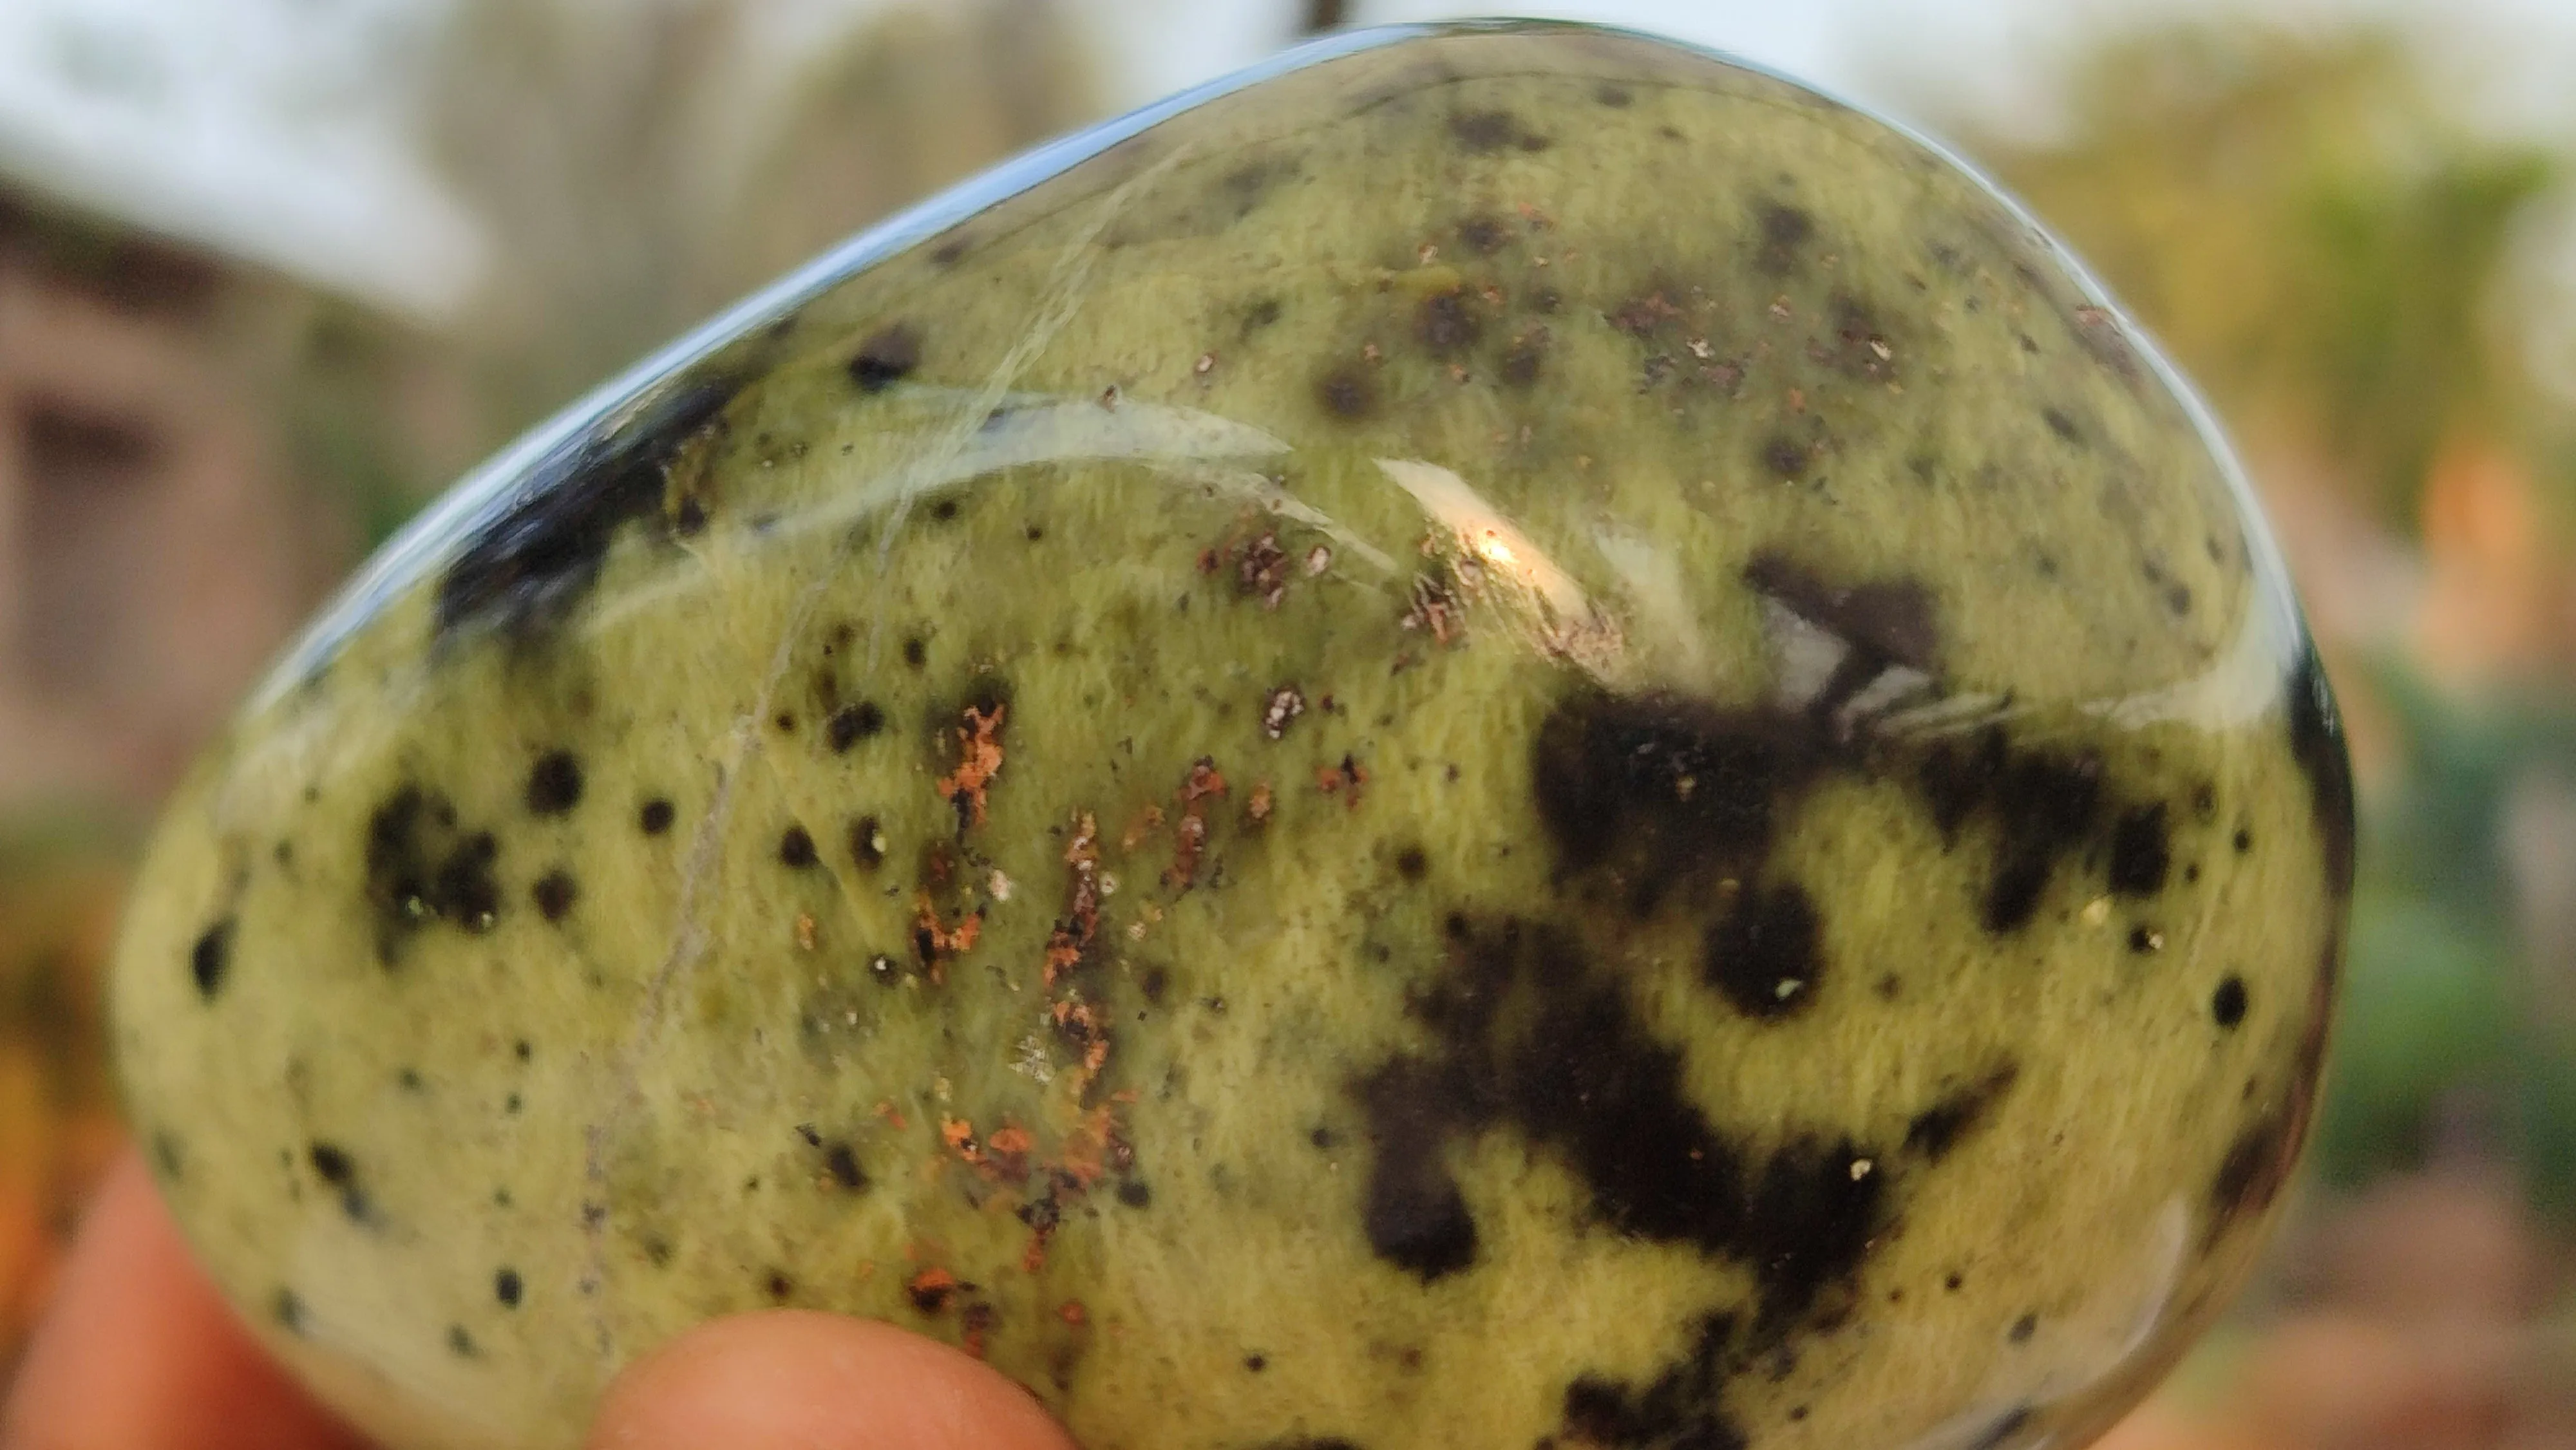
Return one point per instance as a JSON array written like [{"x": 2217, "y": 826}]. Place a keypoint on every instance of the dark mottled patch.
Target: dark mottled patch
[
  {"x": 421, "y": 866},
  {"x": 1526, "y": 358},
  {"x": 1259, "y": 315},
  {"x": 1535, "y": 1038},
  {"x": 554, "y": 783},
  {"x": 2144, "y": 939},
  {"x": 2141, "y": 852},
  {"x": 1414, "y": 1215},
  {"x": 525, "y": 571},
  {"x": 1347, "y": 393},
  {"x": 887, "y": 357},
  {"x": 506, "y": 1288},
  {"x": 460, "y": 1343},
  {"x": 842, "y": 1162},
  {"x": 1681, "y": 1409},
  {"x": 1781, "y": 234},
  {"x": 654, "y": 817},
  {"x": 554, "y": 894},
  {"x": 1655, "y": 789},
  {"x": 1134, "y": 1193},
  {"x": 1615, "y": 97},
  {"x": 1784, "y": 457},
  {"x": 1941, "y": 1127},
  {"x": 1765, "y": 954},
  {"x": 1412, "y": 864},
  {"x": 2023, "y": 1328},
  {"x": 169, "y": 1158},
  {"x": 2316, "y": 743},
  {"x": 2227, "y": 1004},
  {"x": 916, "y": 651},
  {"x": 853, "y": 723},
  {"x": 1485, "y": 234},
  {"x": 1485, "y": 132},
  {"x": 2044, "y": 806},
  {"x": 2062, "y": 425},
  {"x": 288, "y": 1310},
  {"x": 796, "y": 848},
  {"x": 211, "y": 959},
  {"x": 1256, "y": 1363},
  {"x": 1445, "y": 324}
]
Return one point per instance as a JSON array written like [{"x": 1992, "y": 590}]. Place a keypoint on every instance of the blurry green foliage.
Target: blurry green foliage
[{"x": 2311, "y": 235}]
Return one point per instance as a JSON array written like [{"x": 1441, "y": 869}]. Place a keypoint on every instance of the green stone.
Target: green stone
[{"x": 1500, "y": 736}]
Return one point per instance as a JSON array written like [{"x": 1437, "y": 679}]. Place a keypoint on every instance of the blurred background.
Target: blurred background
[{"x": 272, "y": 272}]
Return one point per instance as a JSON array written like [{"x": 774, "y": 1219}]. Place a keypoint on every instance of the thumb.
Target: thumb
[{"x": 789, "y": 1377}]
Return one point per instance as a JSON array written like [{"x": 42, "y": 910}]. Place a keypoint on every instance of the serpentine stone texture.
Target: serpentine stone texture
[{"x": 1502, "y": 738}]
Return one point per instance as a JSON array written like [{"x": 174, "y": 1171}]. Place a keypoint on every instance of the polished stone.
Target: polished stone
[{"x": 1502, "y": 737}]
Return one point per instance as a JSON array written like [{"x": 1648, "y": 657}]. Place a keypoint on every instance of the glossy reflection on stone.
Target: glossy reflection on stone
[{"x": 1505, "y": 738}]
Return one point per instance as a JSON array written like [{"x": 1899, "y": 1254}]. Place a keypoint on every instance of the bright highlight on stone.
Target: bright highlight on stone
[{"x": 1502, "y": 738}]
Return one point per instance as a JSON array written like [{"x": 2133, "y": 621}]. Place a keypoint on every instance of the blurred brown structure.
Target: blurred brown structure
[{"x": 154, "y": 545}]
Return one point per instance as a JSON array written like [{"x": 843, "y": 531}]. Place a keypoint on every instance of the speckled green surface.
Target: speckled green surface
[{"x": 1516, "y": 738}]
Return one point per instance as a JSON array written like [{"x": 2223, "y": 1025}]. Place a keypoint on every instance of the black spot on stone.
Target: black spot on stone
[
  {"x": 1680, "y": 1409},
  {"x": 886, "y": 358},
  {"x": 1347, "y": 393},
  {"x": 2145, "y": 939},
  {"x": 777, "y": 1286},
  {"x": 2061, "y": 425},
  {"x": 916, "y": 652},
  {"x": 1952, "y": 1282},
  {"x": 211, "y": 958},
  {"x": 2227, "y": 1004},
  {"x": 2141, "y": 853},
  {"x": 1780, "y": 234},
  {"x": 1260, "y": 315},
  {"x": 421, "y": 866},
  {"x": 332, "y": 1164},
  {"x": 168, "y": 1158},
  {"x": 866, "y": 847},
  {"x": 460, "y": 1343},
  {"x": 1411, "y": 864},
  {"x": 2316, "y": 742},
  {"x": 1784, "y": 457},
  {"x": 1765, "y": 954},
  {"x": 944, "y": 510},
  {"x": 522, "y": 1050},
  {"x": 853, "y": 723},
  {"x": 1484, "y": 132},
  {"x": 2178, "y": 599},
  {"x": 1256, "y": 1363},
  {"x": 554, "y": 783},
  {"x": 1134, "y": 1193},
  {"x": 1157, "y": 982},
  {"x": 2244, "y": 841},
  {"x": 1944, "y": 1125},
  {"x": 655, "y": 817},
  {"x": 554, "y": 894},
  {"x": 1526, "y": 358},
  {"x": 2023, "y": 1328},
  {"x": 1445, "y": 324},
  {"x": 505, "y": 1287},
  {"x": 288, "y": 1310},
  {"x": 691, "y": 517},
  {"x": 842, "y": 1162},
  {"x": 525, "y": 571},
  {"x": 1615, "y": 97},
  {"x": 796, "y": 849}
]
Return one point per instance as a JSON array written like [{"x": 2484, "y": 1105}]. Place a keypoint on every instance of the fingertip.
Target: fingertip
[
  {"x": 790, "y": 1377},
  {"x": 140, "y": 1351}
]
